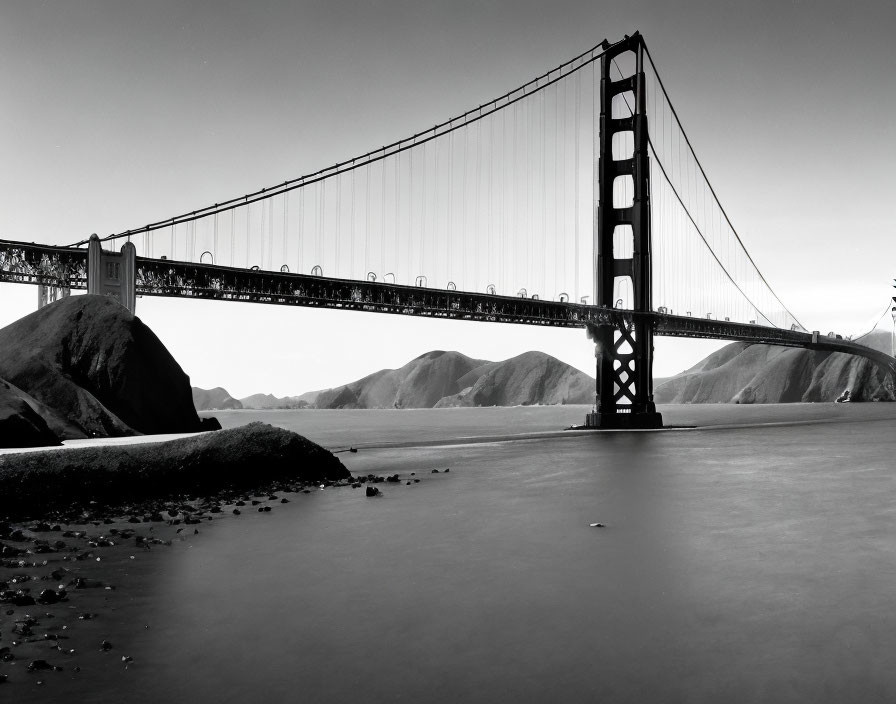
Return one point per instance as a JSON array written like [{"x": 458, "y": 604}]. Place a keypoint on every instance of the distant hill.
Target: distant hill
[
  {"x": 213, "y": 399},
  {"x": 442, "y": 379},
  {"x": 527, "y": 379},
  {"x": 745, "y": 373},
  {"x": 420, "y": 383},
  {"x": 268, "y": 401}
]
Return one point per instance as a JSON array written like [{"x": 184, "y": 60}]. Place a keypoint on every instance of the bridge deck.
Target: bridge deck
[{"x": 67, "y": 266}]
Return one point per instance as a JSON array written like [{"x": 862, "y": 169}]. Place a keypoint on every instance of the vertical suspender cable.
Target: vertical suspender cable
[
  {"x": 248, "y": 208},
  {"x": 383, "y": 210},
  {"x": 322, "y": 222},
  {"x": 367, "y": 256},
  {"x": 285, "y": 228},
  {"x": 462, "y": 270},
  {"x": 301, "y": 239},
  {"x": 411, "y": 236},
  {"x": 351, "y": 225},
  {"x": 576, "y": 186},
  {"x": 436, "y": 201},
  {"x": 264, "y": 210},
  {"x": 449, "y": 237},
  {"x": 422, "y": 215},
  {"x": 543, "y": 134},
  {"x": 367, "y": 210},
  {"x": 477, "y": 219},
  {"x": 338, "y": 237}
]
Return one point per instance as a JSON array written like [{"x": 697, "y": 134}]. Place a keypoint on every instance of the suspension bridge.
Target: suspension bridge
[{"x": 575, "y": 200}]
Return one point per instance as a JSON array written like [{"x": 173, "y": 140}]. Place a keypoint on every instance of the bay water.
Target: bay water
[{"x": 752, "y": 559}]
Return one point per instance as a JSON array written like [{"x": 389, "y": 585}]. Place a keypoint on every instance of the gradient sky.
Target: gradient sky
[{"x": 119, "y": 112}]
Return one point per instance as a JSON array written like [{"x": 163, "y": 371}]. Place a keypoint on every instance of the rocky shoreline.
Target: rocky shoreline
[
  {"x": 59, "y": 485},
  {"x": 66, "y": 572}
]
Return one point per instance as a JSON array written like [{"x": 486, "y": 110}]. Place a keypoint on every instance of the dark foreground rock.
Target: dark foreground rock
[
  {"x": 96, "y": 370},
  {"x": 20, "y": 424},
  {"x": 239, "y": 458}
]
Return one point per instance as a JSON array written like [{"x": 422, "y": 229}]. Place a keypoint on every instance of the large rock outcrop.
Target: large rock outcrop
[
  {"x": 238, "y": 459},
  {"x": 97, "y": 369},
  {"x": 745, "y": 373},
  {"x": 215, "y": 399}
]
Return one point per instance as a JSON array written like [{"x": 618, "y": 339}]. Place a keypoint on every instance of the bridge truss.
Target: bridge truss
[{"x": 67, "y": 267}]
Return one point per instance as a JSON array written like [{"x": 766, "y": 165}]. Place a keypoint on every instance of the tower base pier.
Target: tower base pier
[{"x": 648, "y": 420}]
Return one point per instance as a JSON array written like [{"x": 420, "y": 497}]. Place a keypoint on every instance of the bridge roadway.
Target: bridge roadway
[{"x": 67, "y": 267}]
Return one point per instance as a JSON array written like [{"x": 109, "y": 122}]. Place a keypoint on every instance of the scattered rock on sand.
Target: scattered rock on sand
[{"x": 35, "y": 665}]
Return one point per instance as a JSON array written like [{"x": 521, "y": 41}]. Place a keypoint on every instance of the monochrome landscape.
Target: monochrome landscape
[{"x": 415, "y": 360}]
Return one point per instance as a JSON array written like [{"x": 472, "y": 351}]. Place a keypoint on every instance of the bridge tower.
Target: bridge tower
[
  {"x": 624, "y": 342},
  {"x": 113, "y": 273}
]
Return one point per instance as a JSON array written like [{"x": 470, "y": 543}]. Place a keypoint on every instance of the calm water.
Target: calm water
[{"x": 737, "y": 565}]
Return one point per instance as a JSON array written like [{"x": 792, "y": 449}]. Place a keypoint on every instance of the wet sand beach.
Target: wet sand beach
[{"x": 736, "y": 564}]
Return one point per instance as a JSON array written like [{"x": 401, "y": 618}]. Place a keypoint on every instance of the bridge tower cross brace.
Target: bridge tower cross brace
[{"x": 624, "y": 341}]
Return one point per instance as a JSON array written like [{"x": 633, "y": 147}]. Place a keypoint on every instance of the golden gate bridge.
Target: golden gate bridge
[{"x": 575, "y": 200}]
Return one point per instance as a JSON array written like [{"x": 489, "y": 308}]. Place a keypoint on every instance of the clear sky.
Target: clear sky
[{"x": 119, "y": 112}]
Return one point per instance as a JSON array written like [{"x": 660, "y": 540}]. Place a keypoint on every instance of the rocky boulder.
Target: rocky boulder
[
  {"x": 20, "y": 424},
  {"x": 238, "y": 459},
  {"x": 98, "y": 368}
]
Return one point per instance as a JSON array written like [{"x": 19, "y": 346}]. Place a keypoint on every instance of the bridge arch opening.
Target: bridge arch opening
[
  {"x": 623, "y": 242},
  {"x": 622, "y": 105},
  {"x": 624, "y": 65},
  {"x": 623, "y": 145},
  {"x": 623, "y": 191}
]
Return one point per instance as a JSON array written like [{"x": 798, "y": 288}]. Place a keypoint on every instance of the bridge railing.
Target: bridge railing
[{"x": 26, "y": 263}]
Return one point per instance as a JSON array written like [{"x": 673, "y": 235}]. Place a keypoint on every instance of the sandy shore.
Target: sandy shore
[{"x": 99, "y": 442}]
